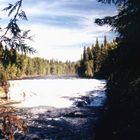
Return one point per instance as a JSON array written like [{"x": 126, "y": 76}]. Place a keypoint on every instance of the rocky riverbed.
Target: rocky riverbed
[
  {"x": 74, "y": 123},
  {"x": 58, "y": 109}
]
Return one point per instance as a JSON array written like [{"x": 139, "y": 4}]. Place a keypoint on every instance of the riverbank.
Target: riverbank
[{"x": 47, "y": 77}]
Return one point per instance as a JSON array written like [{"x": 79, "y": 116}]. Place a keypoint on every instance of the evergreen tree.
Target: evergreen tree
[
  {"x": 89, "y": 53},
  {"x": 123, "y": 85},
  {"x": 96, "y": 54},
  {"x": 15, "y": 42},
  {"x": 105, "y": 41},
  {"x": 96, "y": 64},
  {"x": 85, "y": 54}
]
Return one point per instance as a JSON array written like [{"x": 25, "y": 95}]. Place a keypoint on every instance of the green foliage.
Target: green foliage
[
  {"x": 94, "y": 60},
  {"x": 11, "y": 42},
  {"x": 123, "y": 86},
  {"x": 89, "y": 68},
  {"x": 3, "y": 77},
  {"x": 26, "y": 66},
  {"x": 13, "y": 39}
]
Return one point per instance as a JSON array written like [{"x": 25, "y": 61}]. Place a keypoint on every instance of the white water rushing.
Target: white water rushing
[{"x": 51, "y": 92}]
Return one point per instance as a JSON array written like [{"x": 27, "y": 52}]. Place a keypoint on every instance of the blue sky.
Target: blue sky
[{"x": 61, "y": 28}]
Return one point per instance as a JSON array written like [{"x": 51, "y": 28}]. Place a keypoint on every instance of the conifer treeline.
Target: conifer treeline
[
  {"x": 25, "y": 66},
  {"x": 92, "y": 63}
]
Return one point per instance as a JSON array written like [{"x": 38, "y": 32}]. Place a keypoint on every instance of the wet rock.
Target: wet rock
[
  {"x": 75, "y": 114},
  {"x": 80, "y": 104},
  {"x": 73, "y": 123}
]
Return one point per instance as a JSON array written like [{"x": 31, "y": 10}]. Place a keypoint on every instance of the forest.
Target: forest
[
  {"x": 91, "y": 65},
  {"x": 122, "y": 68},
  {"x": 93, "y": 60},
  {"x": 21, "y": 66},
  {"x": 117, "y": 61}
]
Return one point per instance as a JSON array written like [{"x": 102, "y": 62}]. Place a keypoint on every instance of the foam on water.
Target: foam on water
[{"x": 51, "y": 92}]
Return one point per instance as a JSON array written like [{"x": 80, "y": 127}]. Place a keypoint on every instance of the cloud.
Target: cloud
[
  {"x": 63, "y": 44},
  {"x": 64, "y": 21},
  {"x": 63, "y": 27}
]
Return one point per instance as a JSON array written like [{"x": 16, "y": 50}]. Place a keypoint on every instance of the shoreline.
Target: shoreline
[{"x": 45, "y": 77}]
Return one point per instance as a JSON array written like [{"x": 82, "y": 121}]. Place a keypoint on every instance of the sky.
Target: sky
[{"x": 61, "y": 28}]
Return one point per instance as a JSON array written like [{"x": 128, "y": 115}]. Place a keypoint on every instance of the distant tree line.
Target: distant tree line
[
  {"x": 20, "y": 65},
  {"x": 92, "y": 63}
]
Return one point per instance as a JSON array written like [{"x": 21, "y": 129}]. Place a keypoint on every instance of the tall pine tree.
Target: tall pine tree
[{"x": 123, "y": 86}]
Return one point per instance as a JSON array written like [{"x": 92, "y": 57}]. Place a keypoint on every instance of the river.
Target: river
[{"x": 58, "y": 108}]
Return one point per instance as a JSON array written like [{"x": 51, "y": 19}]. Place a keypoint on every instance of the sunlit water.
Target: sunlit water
[
  {"x": 53, "y": 92},
  {"x": 53, "y": 109}
]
